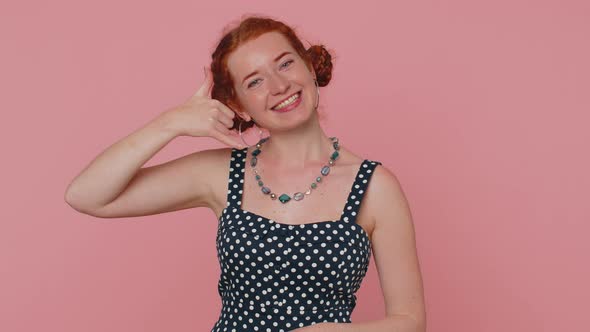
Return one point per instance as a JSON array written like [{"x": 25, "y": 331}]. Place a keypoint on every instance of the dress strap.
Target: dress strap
[
  {"x": 235, "y": 185},
  {"x": 357, "y": 191}
]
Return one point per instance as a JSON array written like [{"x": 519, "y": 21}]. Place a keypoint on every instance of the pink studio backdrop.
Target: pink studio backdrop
[{"x": 480, "y": 108}]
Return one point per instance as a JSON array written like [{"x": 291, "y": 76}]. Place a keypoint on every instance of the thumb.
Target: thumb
[{"x": 207, "y": 84}]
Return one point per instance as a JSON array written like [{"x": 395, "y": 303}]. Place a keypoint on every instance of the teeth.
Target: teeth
[{"x": 287, "y": 102}]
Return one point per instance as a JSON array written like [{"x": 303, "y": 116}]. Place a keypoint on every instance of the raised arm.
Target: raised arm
[{"x": 114, "y": 184}]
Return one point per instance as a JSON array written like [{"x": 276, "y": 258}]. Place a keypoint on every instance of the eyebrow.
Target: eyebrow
[{"x": 275, "y": 60}]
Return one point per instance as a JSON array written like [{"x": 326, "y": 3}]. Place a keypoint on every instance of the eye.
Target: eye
[
  {"x": 288, "y": 62},
  {"x": 283, "y": 65},
  {"x": 251, "y": 84}
]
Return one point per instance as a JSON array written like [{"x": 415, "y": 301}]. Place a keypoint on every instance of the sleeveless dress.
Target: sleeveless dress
[{"x": 279, "y": 277}]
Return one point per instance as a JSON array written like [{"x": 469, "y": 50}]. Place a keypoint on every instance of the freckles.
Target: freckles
[{"x": 253, "y": 101}]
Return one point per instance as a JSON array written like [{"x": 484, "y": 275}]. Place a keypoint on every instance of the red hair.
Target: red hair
[{"x": 249, "y": 28}]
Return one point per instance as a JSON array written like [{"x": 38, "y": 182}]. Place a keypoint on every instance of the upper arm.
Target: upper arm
[
  {"x": 182, "y": 183},
  {"x": 394, "y": 248}
]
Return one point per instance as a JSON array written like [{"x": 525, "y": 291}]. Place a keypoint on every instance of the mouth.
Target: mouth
[{"x": 287, "y": 102}]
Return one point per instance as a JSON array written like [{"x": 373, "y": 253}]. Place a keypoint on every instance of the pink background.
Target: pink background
[{"x": 480, "y": 108}]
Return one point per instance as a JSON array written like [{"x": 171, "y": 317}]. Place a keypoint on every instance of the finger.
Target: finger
[
  {"x": 223, "y": 129},
  {"x": 225, "y": 109},
  {"x": 206, "y": 86},
  {"x": 225, "y": 120},
  {"x": 231, "y": 141}
]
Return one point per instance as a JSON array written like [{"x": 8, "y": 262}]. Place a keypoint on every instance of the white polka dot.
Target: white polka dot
[{"x": 276, "y": 277}]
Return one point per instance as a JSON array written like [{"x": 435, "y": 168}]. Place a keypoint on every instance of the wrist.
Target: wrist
[{"x": 165, "y": 124}]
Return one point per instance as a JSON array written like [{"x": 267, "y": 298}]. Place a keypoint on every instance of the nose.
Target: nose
[{"x": 279, "y": 84}]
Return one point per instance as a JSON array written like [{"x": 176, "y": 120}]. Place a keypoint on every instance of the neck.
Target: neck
[{"x": 300, "y": 148}]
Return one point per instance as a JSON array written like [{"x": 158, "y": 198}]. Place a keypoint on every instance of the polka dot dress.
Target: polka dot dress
[{"x": 279, "y": 277}]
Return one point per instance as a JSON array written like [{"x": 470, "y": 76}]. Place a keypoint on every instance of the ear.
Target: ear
[
  {"x": 244, "y": 116},
  {"x": 312, "y": 70}
]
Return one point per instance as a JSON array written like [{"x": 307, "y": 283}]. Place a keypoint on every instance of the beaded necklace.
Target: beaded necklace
[{"x": 284, "y": 198}]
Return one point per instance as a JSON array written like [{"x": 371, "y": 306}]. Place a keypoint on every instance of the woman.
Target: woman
[{"x": 293, "y": 240}]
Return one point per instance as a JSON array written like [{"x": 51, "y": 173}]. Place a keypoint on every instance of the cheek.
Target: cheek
[
  {"x": 254, "y": 101},
  {"x": 258, "y": 99}
]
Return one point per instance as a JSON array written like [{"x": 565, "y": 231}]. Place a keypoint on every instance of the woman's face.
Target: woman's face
[{"x": 266, "y": 72}]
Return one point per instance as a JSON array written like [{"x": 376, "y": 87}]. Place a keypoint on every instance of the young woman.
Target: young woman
[{"x": 293, "y": 240}]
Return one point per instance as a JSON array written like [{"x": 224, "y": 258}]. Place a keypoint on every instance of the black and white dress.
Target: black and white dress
[{"x": 279, "y": 277}]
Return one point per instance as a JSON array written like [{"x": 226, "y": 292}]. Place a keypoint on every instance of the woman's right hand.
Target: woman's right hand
[{"x": 203, "y": 116}]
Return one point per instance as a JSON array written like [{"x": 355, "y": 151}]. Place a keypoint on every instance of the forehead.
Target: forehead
[{"x": 257, "y": 52}]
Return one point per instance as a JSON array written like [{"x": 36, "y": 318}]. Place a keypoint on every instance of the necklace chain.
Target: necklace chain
[{"x": 284, "y": 198}]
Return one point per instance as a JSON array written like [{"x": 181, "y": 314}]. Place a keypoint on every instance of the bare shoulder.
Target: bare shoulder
[
  {"x": 383, "y": 189},
  {"x": 394, "y": 247},
  {"x": 349, "y": 158},
  {"x": 217, "y": 172},
  {"x": 215, "y": 157},
  {"x": 208, "y": 169},
  {"x": 186, "y": 182},
  {"x": 207, "y": 162},
  {"x": 386, "y": 198}
]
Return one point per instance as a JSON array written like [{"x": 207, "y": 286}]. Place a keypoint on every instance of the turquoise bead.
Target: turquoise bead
[{"x": 284, "y": 198}]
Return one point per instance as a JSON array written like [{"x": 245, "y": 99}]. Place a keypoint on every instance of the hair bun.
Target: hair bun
[{"x": 322, "y": 63}]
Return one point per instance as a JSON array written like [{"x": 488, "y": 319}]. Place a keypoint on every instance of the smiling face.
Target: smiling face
[{"x": 272, "y": 82}]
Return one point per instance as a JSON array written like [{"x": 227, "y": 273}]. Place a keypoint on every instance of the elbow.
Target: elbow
[
  {"x": 70, "y": 198},
  {"x": 419, "y": 321},
  {"x": 420, "y": 325},
  {"x": 75, "y": 204},
  {"x": 78, "y": 207},
  {"x": 414, "y": 323},
  {"x": 71, "y": 201}
]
